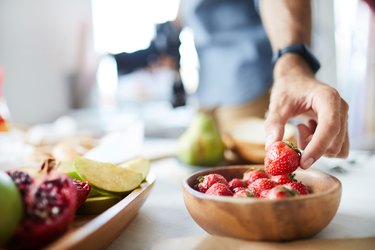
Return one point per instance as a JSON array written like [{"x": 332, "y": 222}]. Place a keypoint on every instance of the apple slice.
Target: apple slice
[
  {"x": 69, "y": 169},
  {"x": 97, "y": 205},
  {"x": 139, "y": 165},
  {"x": 97, "y": 192},
  {"x": 107, "y": 176}
]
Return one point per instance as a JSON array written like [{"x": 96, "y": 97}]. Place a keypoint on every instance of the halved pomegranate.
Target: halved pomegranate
[
  {"x": 83, "y": 189},
  {"x": 50, "y": 202}
]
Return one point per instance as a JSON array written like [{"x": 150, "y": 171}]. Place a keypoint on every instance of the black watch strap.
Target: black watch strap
[{"x": 302, "y": 50}]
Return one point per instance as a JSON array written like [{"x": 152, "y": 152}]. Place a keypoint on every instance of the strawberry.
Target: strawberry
[
  {"x": 250, "y": 176},
  {"x": 298, "y": 186},
  {"x": 235, "y": 183},
  {"x": 283, "y": 179},
  {"x": 278, "y": 192},
  {"x": 205, "y": 182},
  {"x": 257, "y": 186},
  {"x": 242, "y": 192},
  {"x": 264, "y": 193},
  {"x": 281, "y": 158},
  {"x": 219, "y": 189},
  {"x": 237, "y": 189}
]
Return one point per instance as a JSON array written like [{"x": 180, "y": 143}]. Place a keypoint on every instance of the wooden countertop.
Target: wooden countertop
[{"x": 164, "y": 223}]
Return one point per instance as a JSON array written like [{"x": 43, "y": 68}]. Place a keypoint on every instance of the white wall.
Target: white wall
[
  {"x": 323, "y": 40},
  {"x": 41, "y": 46}
]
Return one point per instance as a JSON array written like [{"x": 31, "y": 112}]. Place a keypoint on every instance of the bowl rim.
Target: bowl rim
[{"x": 251, "y": 200}]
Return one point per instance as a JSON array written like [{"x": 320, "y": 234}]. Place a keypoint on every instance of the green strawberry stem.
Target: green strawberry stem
[
  {"x": 292, "y": 177},
  {"x": 200, "y": 178},
  {"x": 292, "y": 146},
  {"x": 291, "y": 192}
]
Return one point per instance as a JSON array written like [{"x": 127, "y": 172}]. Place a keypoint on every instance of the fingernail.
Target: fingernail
[{"x": 308, "y": 163}]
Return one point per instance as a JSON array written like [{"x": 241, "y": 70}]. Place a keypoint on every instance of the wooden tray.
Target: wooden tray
[{"x": 97, "y": 232}]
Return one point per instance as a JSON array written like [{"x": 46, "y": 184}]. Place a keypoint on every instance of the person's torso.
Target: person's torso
[{"x": 233, "y": 49}]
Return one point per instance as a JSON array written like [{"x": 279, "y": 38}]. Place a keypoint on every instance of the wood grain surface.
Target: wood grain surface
[
  {"x": 97, "y": 232},
  {"x": 260, "y": 219}
]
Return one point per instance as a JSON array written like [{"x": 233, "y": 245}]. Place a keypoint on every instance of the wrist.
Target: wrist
[{"x": 291, "y": 65}]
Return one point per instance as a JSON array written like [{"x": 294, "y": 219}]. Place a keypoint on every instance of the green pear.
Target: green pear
[{"x": 201, "y": 143}]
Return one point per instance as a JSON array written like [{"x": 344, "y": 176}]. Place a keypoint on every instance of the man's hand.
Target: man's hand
[{"x": 297, "y": 93}]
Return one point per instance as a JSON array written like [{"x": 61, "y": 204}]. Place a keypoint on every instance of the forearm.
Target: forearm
[
  {"x": 287, "y": 22},
  {"x": 296, "y": 92}
]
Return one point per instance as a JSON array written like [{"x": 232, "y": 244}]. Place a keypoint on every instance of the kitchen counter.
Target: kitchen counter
[{"x": 164, "y": 223}]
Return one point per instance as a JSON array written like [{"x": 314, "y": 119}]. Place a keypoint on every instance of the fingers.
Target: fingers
[
  {"x": 330, "y": 137},
  {"x": 327, "y": 130},
  {"x": 274, "y": 131},
  {"x": 304, "y": 135},
  {"x": 277, "y": 117},
  {"x": 337, "y": 147},
  {"x": 345, "y": 147},
  {"x": 319, "y": 143}
]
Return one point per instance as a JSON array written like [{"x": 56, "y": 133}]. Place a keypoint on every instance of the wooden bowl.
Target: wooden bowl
[
  {"x": 248, "y": 138},
  {"x": 260, "y": 219}
]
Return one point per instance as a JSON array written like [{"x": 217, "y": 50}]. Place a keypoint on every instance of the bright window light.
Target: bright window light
[
  {"x": 128, "y": 25},
  {"x": 189, "y": 61}
]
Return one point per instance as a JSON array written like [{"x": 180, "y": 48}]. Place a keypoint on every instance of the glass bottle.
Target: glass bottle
[{"x": 4, "y": 111}]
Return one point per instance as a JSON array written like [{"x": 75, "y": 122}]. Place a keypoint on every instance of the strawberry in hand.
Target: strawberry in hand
[{"x": 282, "y": 158}]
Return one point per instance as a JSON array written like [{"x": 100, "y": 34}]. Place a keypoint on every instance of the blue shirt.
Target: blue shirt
[{"x": 233, "y": 50}]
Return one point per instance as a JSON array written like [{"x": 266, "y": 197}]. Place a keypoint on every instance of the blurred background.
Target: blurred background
[{"x": 59, "y": 58}]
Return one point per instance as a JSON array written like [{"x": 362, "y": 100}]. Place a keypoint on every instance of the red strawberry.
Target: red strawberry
[
  {"x": 283, "y": 179},
  {"x": 298, "y": 186},
  {"x": 235, "y": 183},
  {"x": 278, "y": 192},
  {"x": 238, "y": 189},
  {"x": 264, "y": 193},
  {"x": 253, "y": 175},
  {"x": 257, "y": 186},
  {"x": 219, "y": 189},
  {"x": 281, "y": 158},
  {"x": 242, "y": 192},
  {"x": 205, "y": 182}
]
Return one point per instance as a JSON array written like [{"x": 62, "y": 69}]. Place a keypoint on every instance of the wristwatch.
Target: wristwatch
[{"x": 300, "y": 49}]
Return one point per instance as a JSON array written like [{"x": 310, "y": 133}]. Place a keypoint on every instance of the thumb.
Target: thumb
[{"x": 274, "y": 127}]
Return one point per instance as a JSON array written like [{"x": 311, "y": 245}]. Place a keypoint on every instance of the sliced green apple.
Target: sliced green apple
[
  {"x": 96, "y": 192},
  {"x": 107, "y": 176},
  {"x": 97, "y": 205},
  {"x": 139, "y": 165},
  {"x": 69, "y": 169}
]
